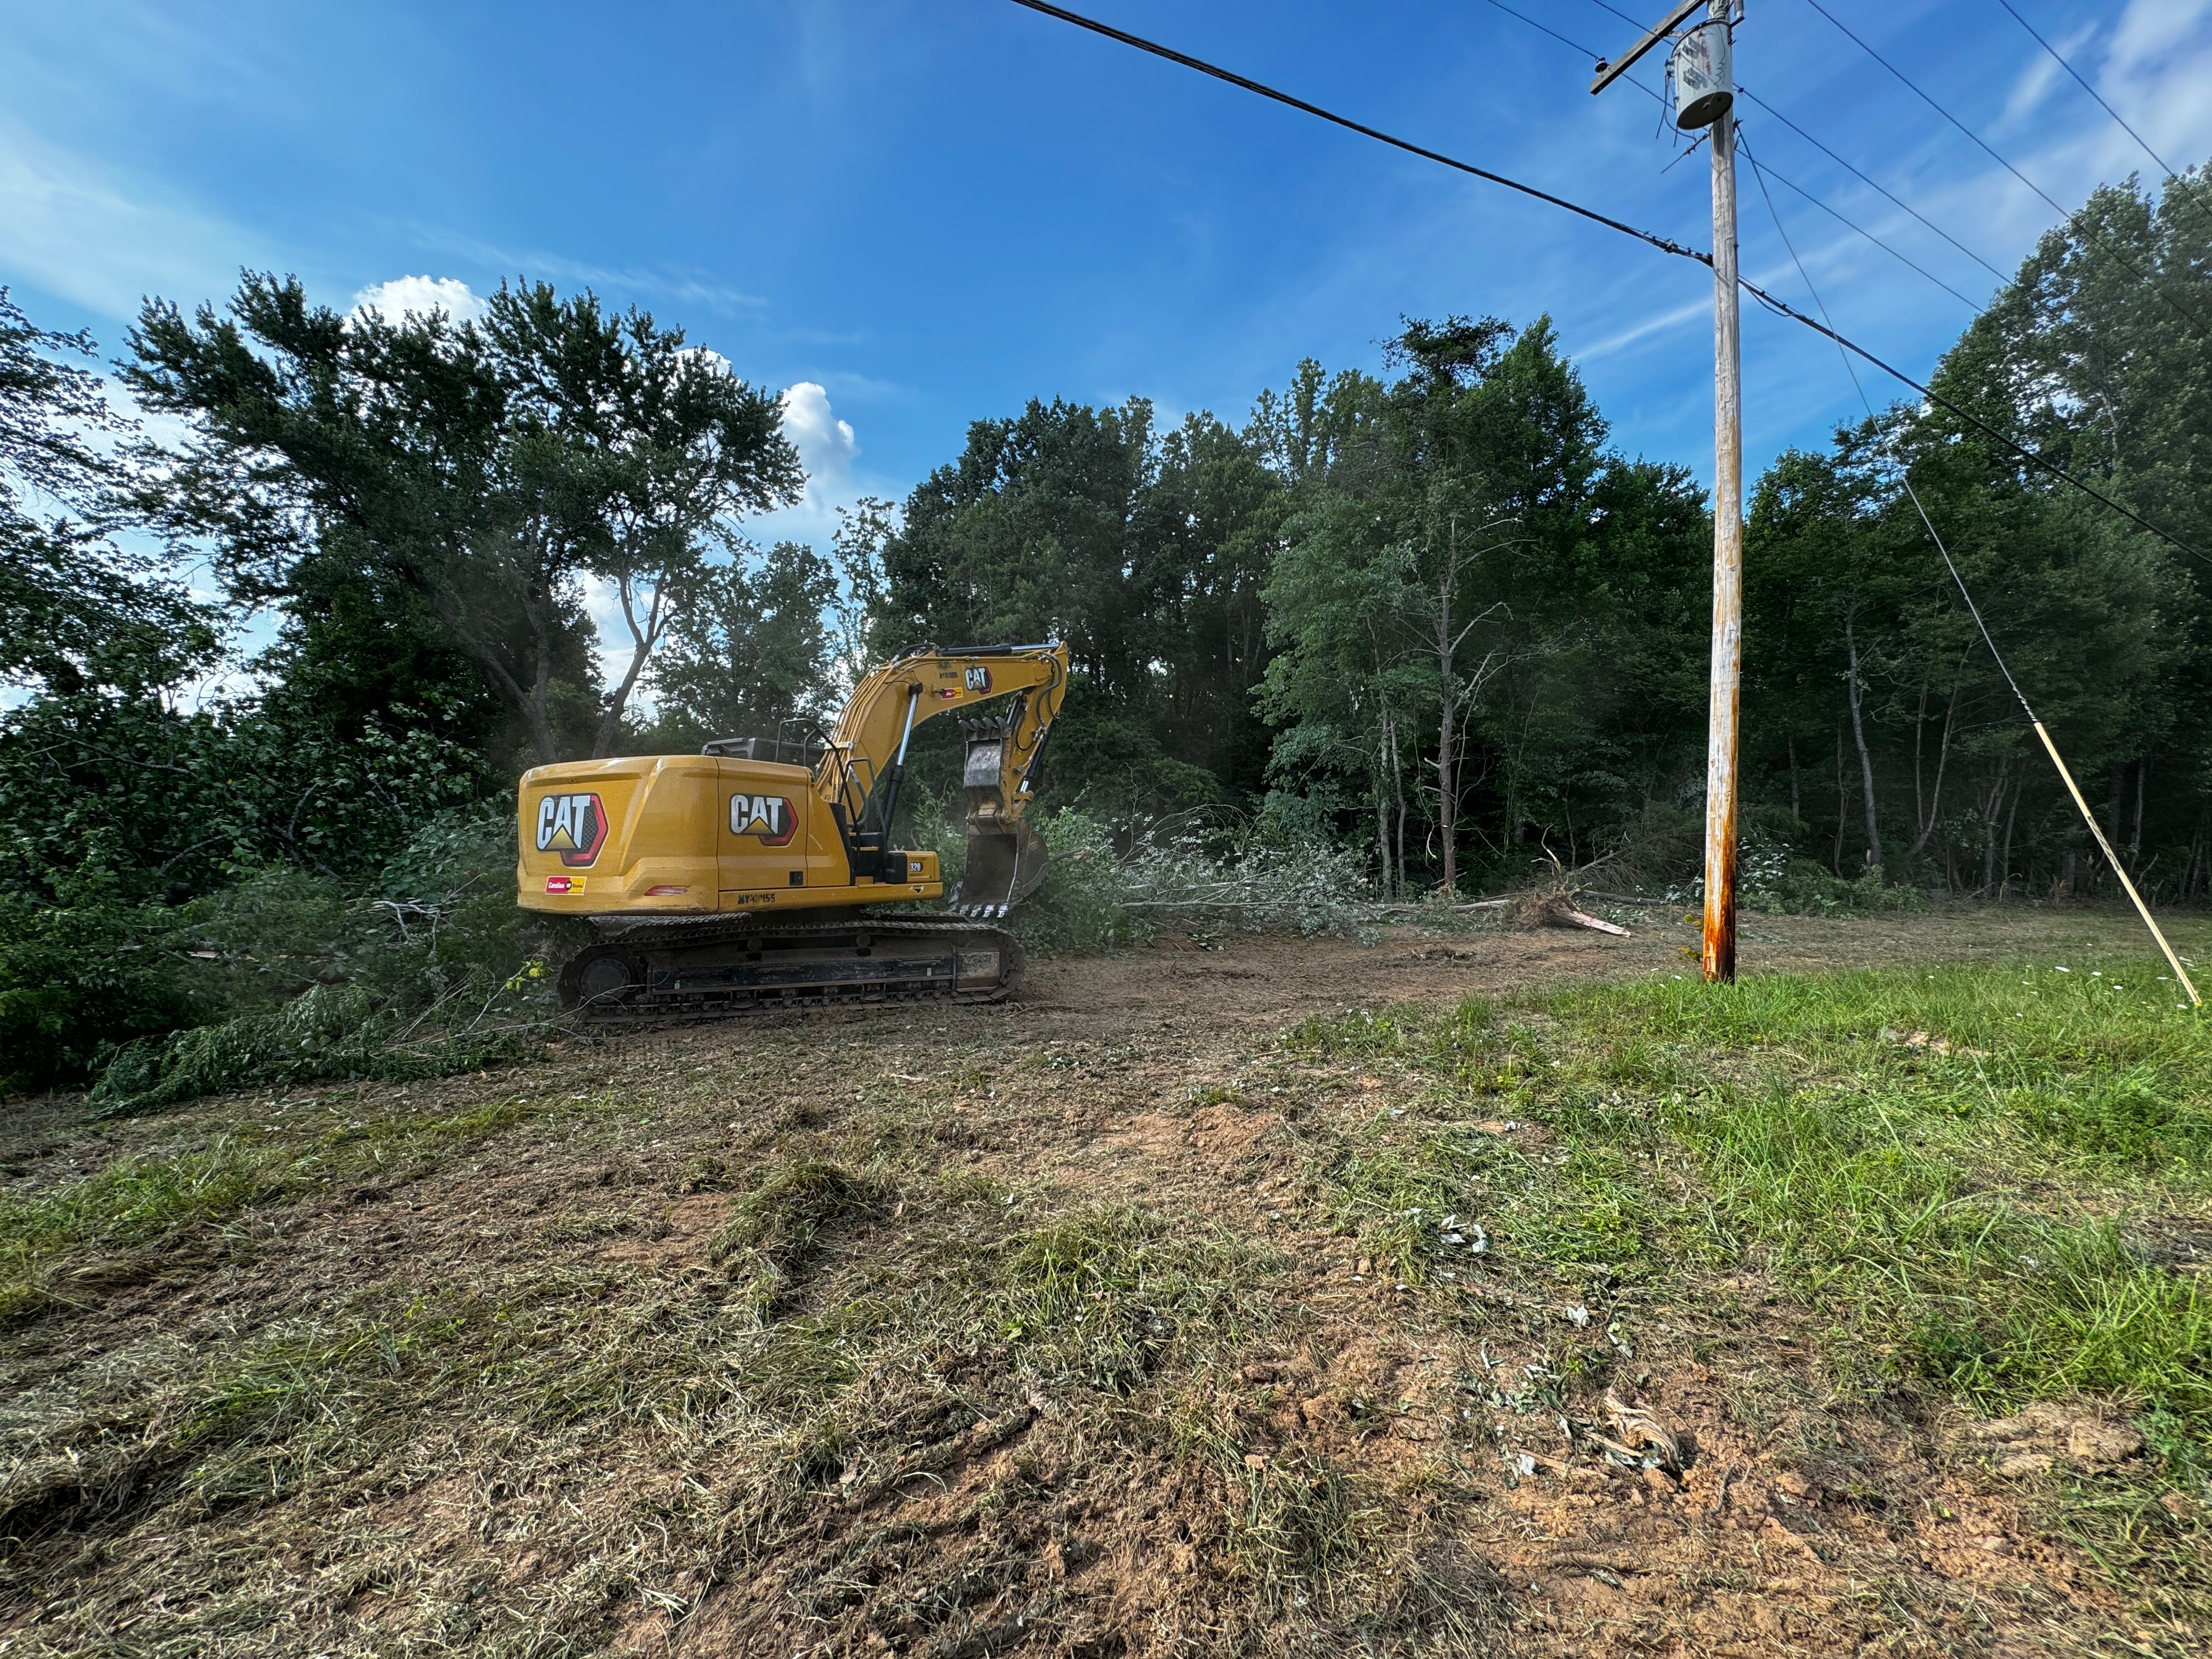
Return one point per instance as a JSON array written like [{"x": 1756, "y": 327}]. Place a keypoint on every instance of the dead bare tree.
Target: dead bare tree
[{"x": 1435, "y": 584}]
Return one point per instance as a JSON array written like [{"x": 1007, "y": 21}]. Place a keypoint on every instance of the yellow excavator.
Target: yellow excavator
[{"x": 752, "y": 876}]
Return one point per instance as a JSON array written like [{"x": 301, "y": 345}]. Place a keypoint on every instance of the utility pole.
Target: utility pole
[{"x": 1702, "y": 69}]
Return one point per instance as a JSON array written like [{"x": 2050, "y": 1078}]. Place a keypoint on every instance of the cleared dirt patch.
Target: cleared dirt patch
[{"x": 1107, "y": 1321}]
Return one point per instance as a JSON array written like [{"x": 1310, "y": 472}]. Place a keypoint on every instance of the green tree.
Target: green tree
[
  {"x": 1459, "y": 543},
  {"x": 481, "y": 473},
  {"x": 1143, "y": 552},
  {"x": 749, "y": 649},
  {"x": 78, "y": 613}
]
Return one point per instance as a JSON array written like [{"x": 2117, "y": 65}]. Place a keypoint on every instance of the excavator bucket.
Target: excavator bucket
[
  {"x": 1006, "y": 864},
  {"x": 1006, "y": 857}
]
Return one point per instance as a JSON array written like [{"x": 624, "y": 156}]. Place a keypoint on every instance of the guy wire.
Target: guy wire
[{"x": 1905, "y": 476}]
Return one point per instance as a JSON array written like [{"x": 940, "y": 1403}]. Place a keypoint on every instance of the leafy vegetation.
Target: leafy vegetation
[{"x": 1397, "y": 634}]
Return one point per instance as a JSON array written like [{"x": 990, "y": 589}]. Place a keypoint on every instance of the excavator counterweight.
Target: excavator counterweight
[{"x": 683, "y": 862}]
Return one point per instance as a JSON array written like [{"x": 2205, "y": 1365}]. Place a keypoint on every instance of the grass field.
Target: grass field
[{"x": 1857, "y": 1310}]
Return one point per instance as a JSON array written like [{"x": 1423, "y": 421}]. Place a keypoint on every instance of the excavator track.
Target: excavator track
[{"x": 716, "y": 967}]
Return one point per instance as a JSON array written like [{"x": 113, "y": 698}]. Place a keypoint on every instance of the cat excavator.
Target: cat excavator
[{"x": 754, "y": 875}]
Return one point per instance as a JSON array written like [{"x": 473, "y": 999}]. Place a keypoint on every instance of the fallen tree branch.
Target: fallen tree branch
[{"x": 1583, "y": 919}]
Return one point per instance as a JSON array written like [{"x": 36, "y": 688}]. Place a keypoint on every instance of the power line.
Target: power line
[
  {"x": 2100, "y": 240},
  {"x": 1833, "y": 213},
  {"x": 1648, "y": 238},
  {"x": 2086, "y": 87},
  {"x": 2033, "y": 458},
  {"x": 1870, "y": 184},
  {"x": 1260, "y": 89},
  {"x": 1905, "y": 473},
  {"x": 1595, "y": 57},
  {"x": 2164, "y": 166},
  {"x": 1833, "y": 157},
  {"x": 1871, "y": 237}
]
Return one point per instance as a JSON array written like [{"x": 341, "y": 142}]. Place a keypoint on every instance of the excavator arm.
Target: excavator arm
[{"x": 863, "y": 769}]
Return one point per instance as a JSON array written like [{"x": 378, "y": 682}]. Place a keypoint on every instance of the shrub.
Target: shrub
[
  {"x": 434, "y": 969},
  {"x": 1231, "y": 878},
  {"x": 1082, "y": 905},
  {"x": 75, "y": 977},
  {"x": 1771, "y": 878},
  {"x": 1205, "y": 871}
]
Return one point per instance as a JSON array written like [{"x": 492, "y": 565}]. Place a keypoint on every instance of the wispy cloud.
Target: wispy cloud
[
  {"x": 1660, "y": 323},
  {"x": 102, "y": 240},
  {"x": 692, "y": 288}
]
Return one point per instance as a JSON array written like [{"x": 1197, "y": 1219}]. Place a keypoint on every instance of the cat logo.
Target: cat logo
[
  {"x": 769, "y": 816},
  {"x": 575, "y": 826},
  {"x": 978, "y": 678}
]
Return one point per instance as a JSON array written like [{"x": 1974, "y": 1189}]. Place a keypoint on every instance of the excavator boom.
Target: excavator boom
[{"x": 1007, "y": 857}]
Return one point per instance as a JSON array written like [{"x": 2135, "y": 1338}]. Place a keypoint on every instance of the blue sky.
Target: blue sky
[{"x": 921, "y": 212}]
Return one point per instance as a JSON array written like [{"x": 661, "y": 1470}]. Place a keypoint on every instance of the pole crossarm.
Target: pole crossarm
[{"x": 1609, "y": 72}]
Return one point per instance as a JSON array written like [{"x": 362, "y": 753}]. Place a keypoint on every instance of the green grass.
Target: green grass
[
  {"x": 1972, "y": 1168},
  {"x": 1969, "y": 1159},
  {"x": 138, "y": 1200},
  {"x": 1996, "y": 1181},
  {"x": 1098, "y": 1296}
]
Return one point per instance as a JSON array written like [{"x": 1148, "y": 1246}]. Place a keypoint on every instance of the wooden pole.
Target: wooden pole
[
  {"x": 1727, "y": 688},
  {"x": 1727, "y": 692}
]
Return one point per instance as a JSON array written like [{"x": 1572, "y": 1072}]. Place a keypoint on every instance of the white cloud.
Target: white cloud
[
  {"x": 419, "y": 296},
  {"x": 827, "y": 447},
  {"x": 825, "y": 443},
  {"x": 602, "y": 604},
  {"x": 2149, "y": 30}
]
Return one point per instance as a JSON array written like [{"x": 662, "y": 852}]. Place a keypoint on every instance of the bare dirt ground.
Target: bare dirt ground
[
  {"x": 1268, "y": 982},
  {"x": 525, "y": 1386}
]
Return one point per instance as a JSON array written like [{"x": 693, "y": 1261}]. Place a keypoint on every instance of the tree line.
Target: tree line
[{"x": 1430, "y": 612}]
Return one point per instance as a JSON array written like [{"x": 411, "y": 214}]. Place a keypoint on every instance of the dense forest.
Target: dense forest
[{"x": 1432, "y": 617}]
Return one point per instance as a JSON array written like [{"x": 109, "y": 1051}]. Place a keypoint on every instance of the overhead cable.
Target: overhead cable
[
  {"x": 1904, "y": 472},
  {"x": 2192, "y": 197},
  {"x": 2033, "y": 458},
  {"x": 2049, "y": 744},
  {"x": 2098, "y": 240},
  {"x": 1840, "y": 218},
  {"x": 2086, "y": 87},
  {"x": 1260, "y": 89},
  {"x": 1893, "y": 200},
  {"x": 1663, "y": 244},
  {"x": 1870, "y": 184},
  {"x": 1961, "y": 298}
]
